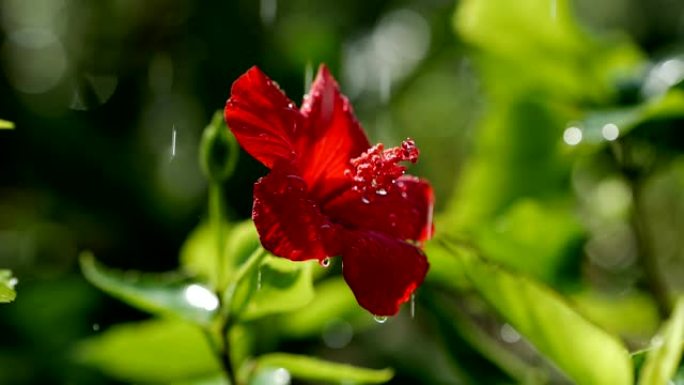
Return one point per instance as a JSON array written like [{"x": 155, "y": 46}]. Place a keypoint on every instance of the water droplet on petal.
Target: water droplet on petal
[
  {"x": 325, "y": 262},
  {"x": 381, "y": 319},
  {"x": 365, "y": 200},
  {"x": 381, "y": 192}
]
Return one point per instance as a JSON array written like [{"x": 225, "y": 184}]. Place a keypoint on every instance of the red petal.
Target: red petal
[
  {"x": 290, "y": 225},
  {"x": 381, "y": 271},
  {"x": 331, "y": 138},
  {"x": 404, "y": 213},
  {"x": 262, "y": 118}
]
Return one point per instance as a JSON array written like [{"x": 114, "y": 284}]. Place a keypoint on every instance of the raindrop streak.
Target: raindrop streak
[
  {"x": 308, "y": 75},
  {"x": 259, "y": 279},
  {"x": 554, "y": 10},
  {"x": 413, "y": 305},
  {"x": 381, "y": 319},
  {"x": 173, "y": 142},
  {"x": 267, "y": 11},
  {"x": 325, "y": 262}
]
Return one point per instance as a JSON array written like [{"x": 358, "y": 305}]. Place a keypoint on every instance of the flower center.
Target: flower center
[{"x": 375, "y": 171}]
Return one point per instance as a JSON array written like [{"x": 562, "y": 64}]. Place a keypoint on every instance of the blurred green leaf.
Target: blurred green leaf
[
  {"x": 7, "y": 283},
  {"x": 217, "y": 379},
  {"x": 199, "y": 257},
  {"x": 313, "y": 369},
  {"x": 633, "y": 314},
  {"x": 160, "y": 350},
  {"x": 667, "y": 106},
  {"x": 281, "y": 286},
  {"x": 6, "y": 125},
  {"x": 163, "y": 294},
  {"x": 541, "y": 43},
  {"x": 662, "y": 361},
  {"x": 332, "y": 300},
  {"x": 542, "y": 237},
  {"x": 576, "y": 346}
]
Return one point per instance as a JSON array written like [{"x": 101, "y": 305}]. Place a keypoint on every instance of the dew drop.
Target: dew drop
[
  {"x": 365, "y": 200},
  {"x": 381, "y": 319},
  {"x": 325, "y": 262},
  {"x": 381, "y": 192}
]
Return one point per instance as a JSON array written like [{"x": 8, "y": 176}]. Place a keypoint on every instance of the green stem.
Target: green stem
[
  {"x": 654, "y": 279},
  {"x": 216, "y": 219},
  {"x": 635, "y": 175},
  {"x": 227, "y": 316}
]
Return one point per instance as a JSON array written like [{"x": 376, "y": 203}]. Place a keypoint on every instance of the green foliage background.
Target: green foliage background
[{"x": 558, "y": 258}]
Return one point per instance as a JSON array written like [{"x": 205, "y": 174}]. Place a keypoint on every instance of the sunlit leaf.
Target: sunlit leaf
[
  {"x": 576, "y": 346},
  {"x": 6, "y": 125},
  {"x": 164, "y": 294},
  {"x": 281, "y": 286},
  {"x": 542, "y": 45},
  {"x": 662, "y": 361},
  {"x": 313, "y": 369},
  {"x": 158, "y": 351},
  {"x": 7, "y": 283}
]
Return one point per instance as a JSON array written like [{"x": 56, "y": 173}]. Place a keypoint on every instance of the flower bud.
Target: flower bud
[{"x": 218, "y": 150}]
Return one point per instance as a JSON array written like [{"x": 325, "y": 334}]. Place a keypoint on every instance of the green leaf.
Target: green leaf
[
  {"x": 198, "y": 254},
  {"x": 662, "y": 361},
  {"x": 633, "y": 314},
  {"x": 542, "y": 45},
  {"x": 161, "y": 350},
  {"x": 6, "y": 125},
  {"x": 313, "y": 369},
  {"x": 543, "y": 238},
  {"x": 163, "y": 294},
  {"x": 281, "y": 286},
  {"x": 332, "y": 300},
  {"x": 587, "y": 354},
  {"x": 7, "y": 283}
]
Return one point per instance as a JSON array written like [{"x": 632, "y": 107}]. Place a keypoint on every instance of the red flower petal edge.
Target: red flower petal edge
[{"x": 329, "y": 192}]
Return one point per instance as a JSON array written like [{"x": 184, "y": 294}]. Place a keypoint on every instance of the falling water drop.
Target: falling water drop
[
  {"x": 267, "y": 11},
  {"x": 173, "y": 142},
  {"x": 554, "y": 10},
  {"x": 381, "y": 319},
  {"x": 413, "y": 305},
  {"x": 308, "y": 75},
  {"x": 325, "y": 262}
]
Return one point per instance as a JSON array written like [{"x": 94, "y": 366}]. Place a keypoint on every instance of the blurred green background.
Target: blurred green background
[{"x": 552, "y": 134}]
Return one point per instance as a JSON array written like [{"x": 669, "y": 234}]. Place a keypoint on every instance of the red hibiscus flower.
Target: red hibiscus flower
[{"x": 329, "y": 193}]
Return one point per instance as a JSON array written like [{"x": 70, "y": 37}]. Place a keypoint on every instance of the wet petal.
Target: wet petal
[
  {"x": 381, "y": 271},
  {"x": 404, "y": 212},
  {"x": 290, "y": 225},
  {"x": 262, "y": 118},
  {"x": 331, "y": 138}
]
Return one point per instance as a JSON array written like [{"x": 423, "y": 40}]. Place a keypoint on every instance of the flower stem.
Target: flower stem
[
  {"x": 635, "y": 174},
  {"x": 216, "y": 218},
  {"x": 228, "y": 313}
]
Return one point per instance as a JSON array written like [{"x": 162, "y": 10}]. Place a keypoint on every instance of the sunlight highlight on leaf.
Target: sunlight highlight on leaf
[{"x": 314, "y": 369}]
